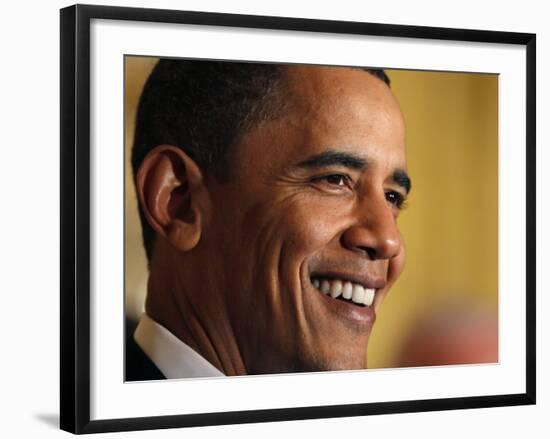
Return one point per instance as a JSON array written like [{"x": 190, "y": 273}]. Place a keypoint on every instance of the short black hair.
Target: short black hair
[{"x": 203, "y": 107}]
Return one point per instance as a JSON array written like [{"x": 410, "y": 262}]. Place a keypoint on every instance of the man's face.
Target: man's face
[{"x": 311, "y": 205}]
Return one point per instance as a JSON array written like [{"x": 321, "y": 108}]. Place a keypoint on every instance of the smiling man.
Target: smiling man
[{"x": 269, "y": 197}]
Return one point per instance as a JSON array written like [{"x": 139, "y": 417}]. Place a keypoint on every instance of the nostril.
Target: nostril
[
  {"x": 378, "y": 241},
  {"x": 371, "y": 253}
]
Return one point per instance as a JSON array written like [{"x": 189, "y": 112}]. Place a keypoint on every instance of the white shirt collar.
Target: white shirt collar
[{"x": 173, "y": 357}]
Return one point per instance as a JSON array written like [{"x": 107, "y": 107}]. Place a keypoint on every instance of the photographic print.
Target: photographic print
[{"x": 441, "y": 303}]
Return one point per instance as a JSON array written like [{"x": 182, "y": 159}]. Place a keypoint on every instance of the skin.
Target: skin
[{"x": 233, "y": 261}]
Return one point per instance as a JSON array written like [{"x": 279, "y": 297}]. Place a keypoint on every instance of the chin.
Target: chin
[{"x": 328, "y": 363}]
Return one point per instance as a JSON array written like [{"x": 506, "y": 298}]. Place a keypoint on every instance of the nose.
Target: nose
[{"x": 375, "y": 232}]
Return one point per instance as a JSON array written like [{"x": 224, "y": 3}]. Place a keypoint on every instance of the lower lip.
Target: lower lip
[{"x": 362, "y": 315}]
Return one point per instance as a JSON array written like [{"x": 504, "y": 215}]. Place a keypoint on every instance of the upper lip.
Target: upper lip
[{"x": 366, "y": 280}]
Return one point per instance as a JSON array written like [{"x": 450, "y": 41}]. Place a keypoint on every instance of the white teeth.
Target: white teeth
[
  {"x": 369, "y": 296},
  {"x": 358, "y": 295},
  {"x": 335, "y": 288},
  {"x": 348, "y": 290}
]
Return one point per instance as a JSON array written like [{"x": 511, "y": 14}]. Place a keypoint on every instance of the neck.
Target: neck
[{"x": 193, "y": 314}]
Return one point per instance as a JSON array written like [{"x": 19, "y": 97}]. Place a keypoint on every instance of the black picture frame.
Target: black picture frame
[{"x": 76, "y": 210}]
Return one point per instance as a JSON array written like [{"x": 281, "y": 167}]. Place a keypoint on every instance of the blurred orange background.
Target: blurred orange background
[{"x": 444, "y": 308}]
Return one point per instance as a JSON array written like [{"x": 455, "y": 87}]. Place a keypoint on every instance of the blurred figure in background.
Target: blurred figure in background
[{"x": 452, "y": 334}]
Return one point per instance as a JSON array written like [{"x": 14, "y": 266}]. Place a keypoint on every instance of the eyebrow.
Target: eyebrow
[
  {"x": 330, "y": 158},
  {"x": 402, "y": 179}
]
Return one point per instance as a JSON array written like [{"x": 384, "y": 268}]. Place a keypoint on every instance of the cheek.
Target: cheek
[
  {"x": 396, "y": 265},
  {"x": 308, "y": 227}
]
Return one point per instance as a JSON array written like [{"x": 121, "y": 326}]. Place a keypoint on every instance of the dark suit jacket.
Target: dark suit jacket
[{"x": 139, "y": 366}]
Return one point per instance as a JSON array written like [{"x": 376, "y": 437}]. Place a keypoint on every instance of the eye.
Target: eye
[
  {"x": 337, "y": 181},
  {"x": 396, "y": 198}
]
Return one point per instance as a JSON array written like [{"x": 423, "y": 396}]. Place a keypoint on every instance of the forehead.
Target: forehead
[
  {"x": 331, "y": 108},
  {"x": 328, "y": 83}
]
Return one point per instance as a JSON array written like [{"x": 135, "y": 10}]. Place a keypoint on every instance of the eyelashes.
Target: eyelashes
[{"x": 338, "y": 180}]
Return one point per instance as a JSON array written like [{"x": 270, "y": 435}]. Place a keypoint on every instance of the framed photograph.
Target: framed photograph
[{"x": 276, "y": 218}]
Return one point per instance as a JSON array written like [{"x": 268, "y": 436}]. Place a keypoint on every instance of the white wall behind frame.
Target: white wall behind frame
[{"x": 29, "y": 182}]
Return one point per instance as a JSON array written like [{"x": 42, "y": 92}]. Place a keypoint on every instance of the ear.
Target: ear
[{"x": 170, "y": 188}]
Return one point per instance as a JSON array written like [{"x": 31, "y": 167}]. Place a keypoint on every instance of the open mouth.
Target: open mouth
[{"x": 345, "y": 290}]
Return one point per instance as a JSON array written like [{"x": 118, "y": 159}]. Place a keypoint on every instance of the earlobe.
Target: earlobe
[{"x": 169, "y": 186}]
